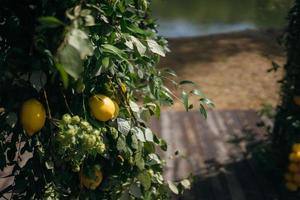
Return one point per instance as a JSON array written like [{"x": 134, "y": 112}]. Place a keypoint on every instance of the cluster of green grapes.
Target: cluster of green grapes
[{"x": 77, "y": 139}]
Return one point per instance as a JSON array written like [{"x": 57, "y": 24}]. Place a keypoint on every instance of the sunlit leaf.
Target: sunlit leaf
[
  {"x": 50, "y": 21},
  {"x": 173, "y": 187},
  {"x": 155, "y": 47},
  {"x": 185, "y": 98}
]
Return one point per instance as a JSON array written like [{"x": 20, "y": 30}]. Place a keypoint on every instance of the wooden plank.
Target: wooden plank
[
  {"x": 194, "y": 150},
  {"x": 166, "y": 134},
  {"x": 234, "y": 186},
  {"x": 182, "y": 168}
]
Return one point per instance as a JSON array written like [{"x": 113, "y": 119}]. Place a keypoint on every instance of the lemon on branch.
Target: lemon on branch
[
  {"x": 33, "y": 116},
  {"x": 91, "y": 182},
  {"x": 102, "y": 107}
]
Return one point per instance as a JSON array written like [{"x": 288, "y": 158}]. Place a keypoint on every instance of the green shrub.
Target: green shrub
[{"x": 61, "y": 53}]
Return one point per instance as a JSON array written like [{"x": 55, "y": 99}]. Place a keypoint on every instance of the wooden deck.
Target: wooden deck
[{"x": 215, "y": 150}]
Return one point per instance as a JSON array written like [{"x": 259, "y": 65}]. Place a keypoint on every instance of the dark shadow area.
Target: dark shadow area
[{"x": 240, "y": 180}]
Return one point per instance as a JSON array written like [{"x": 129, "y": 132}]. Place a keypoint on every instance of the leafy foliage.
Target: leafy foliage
[
  {"x": 287, "y": 122},
  {"x": 61, "y": 53}
]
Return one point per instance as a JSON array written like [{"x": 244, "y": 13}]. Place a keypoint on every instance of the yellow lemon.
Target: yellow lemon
[
  {"x": 291, "y": 186},
  {"x": 117, "y": 109},
  {"x": 91, "y": 183},
  {"x": 102, "y": 107},
  {"x": 297, "y": 100},
  {"x": 33, "y": 116}
]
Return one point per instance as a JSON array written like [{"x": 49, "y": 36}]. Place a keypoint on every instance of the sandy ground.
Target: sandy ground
[{"x": 231, "y": 69}]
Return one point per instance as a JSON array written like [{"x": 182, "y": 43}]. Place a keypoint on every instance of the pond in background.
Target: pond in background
[{"x": 187, "y": 18}]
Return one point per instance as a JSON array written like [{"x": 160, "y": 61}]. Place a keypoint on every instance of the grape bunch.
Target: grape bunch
[{"x": 78, "y": 139}]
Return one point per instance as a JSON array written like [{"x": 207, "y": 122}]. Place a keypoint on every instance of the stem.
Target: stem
[
  {"x": 83, "y": 105},
  {"x": 66, "y": 102},
  {"x": 47, "y": 103}
]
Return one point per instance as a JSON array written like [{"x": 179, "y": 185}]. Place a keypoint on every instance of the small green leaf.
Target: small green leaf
[
  {"x": 123, "y": 126},
  {"x": 155, "y": 47},
  {"x": 170, "y": 72},
  {"x": 173, "y": 187},
  {"x": 38, "y": 79},
  {"x": 163, "y": 145},
  {"x": 148, "y": 135},
  {"x": 11, "y": 119},
  {"x": 139, "y": 134},
  {"x": 114, "y": 50},
  {"x": 186, "y": 184},
  {"x": 154, "y": 158},
  {"x": 185, "y": 82},
  {"x": 134, "y": 107},
  {"x": 135, "y": 190},
  {"x": 185, "y": 98},
  {"x": 140, "y": 47},
  {"x": 198, "y": 93},
  {"x": 49, "y": 165},
  {"x": 105, "y": 62},
  {"x": 203, "y": 111},
  {"x": 207, "y": 102},
  {"x": 50, "y": 21},
  {"x": 63, "y": 75},
  {"x": 121, "y": 144},
  {"x": 145, "y": 179}
]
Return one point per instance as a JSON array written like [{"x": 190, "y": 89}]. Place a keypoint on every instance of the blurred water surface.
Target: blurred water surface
[{"x": 186, "y": 18}]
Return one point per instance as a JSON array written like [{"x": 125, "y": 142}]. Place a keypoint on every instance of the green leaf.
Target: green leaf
[
  {"x": 139, "y": 161},
  {"x": 123, "y": 126},
  {"x": 11, "y": 119},
  {"x": 49, "y": 165},
  {"x": 105, "y": 62},
  {"x": 163, "y": 145},
  {"x": 156, "y": 48},
  {"x": 50, "y": 21},
  {"x": 186, "y": 183},
  {"x": 63, "y": 75},
  {"x": 80, "y": 41},
  {"x": 38, "y": 79},
  {"x": 135, "y": 190},
  {"x": 198, "y": 93},
  {"x": 145, "y": 179},
  {"x": 207, "y": 102},
  {"x": 114, "y": 50},
  {"x": 121, "y": 144},
  {"x": 154, "y": 159},
  {"x": 173, "y": 187},
  {"x": 203, "y": 111},
  {"x": 185, "y": 98},
  {"x": 185, "y": 82},
  {"x": 170, "y": 72},
  {"x": 140, "y": 47},
  {"x": 69, "y": 59},
  {"x": 148, "y": 135},
  {"x": 133, "y": 106},
  {"x": 139, "y": 134}
]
